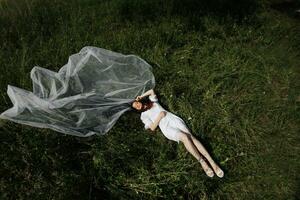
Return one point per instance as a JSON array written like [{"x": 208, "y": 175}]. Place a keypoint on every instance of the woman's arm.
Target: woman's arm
[
  {"x": 149, "y": 92},
  {"x": 154, "y": 125}
]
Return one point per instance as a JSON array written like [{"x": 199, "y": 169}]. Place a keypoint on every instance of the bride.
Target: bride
[
  {"x": 88, "y": 95},
  {"x": 173, "y": 128}
]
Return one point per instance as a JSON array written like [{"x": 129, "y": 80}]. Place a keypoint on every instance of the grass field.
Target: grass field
[{"x": 230, "y": 69}]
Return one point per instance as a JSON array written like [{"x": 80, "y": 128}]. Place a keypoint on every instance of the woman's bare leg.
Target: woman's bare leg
[
  {"x": 189, "y": 145},
  {"x": 204, "y": 152}
]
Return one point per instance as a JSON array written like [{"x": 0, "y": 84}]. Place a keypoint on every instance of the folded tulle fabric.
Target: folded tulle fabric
[{"x": 85, "y": 97}]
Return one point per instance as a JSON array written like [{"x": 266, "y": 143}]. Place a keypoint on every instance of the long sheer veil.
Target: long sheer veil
[{"x": 85, "y": 97}]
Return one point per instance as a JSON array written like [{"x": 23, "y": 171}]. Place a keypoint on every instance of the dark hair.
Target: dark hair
[{"x": 144, "y": 100}]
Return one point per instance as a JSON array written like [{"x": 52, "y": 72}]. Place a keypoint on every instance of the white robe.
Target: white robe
[{"x": 170, "y": 125}]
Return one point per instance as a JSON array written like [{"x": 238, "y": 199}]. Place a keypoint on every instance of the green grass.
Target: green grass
[{"x": 230, "y": 69}]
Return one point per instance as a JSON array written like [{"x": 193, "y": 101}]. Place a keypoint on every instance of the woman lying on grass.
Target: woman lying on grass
[{"x": 174, "y": 128}]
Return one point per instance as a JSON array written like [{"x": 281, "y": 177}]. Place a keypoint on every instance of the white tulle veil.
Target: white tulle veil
[{"x": 85, "y": 97}]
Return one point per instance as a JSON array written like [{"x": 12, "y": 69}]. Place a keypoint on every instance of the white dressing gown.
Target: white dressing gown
[{"x": 170, "y": 125}]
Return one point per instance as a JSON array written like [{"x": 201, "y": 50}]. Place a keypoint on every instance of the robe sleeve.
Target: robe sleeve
[
  {"x": 145, "y": 119},
  {"x": 153, "y": 98}
]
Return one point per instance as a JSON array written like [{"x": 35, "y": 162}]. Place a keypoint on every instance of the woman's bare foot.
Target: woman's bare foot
[
  {"x": 218, "y": 171},
  {"x": 209, "y": 172}
]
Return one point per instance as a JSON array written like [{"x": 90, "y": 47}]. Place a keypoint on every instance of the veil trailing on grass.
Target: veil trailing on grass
[{"x": 85, "y": 97}]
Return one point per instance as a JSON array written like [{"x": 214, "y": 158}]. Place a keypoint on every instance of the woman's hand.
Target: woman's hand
[{"x": 138, "y": 98}]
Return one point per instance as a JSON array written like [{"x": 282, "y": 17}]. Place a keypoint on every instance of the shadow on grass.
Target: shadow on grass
[{"x": 288, "y": 7}]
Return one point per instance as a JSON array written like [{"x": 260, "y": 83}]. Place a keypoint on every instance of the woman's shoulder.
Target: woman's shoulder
[
  {"x": 145, "y": 112},
  {"x": 142, "y": 115}
]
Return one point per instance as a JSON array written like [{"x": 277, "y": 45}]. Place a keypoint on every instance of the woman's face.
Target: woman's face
[{"x": 137, "y": 105}]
